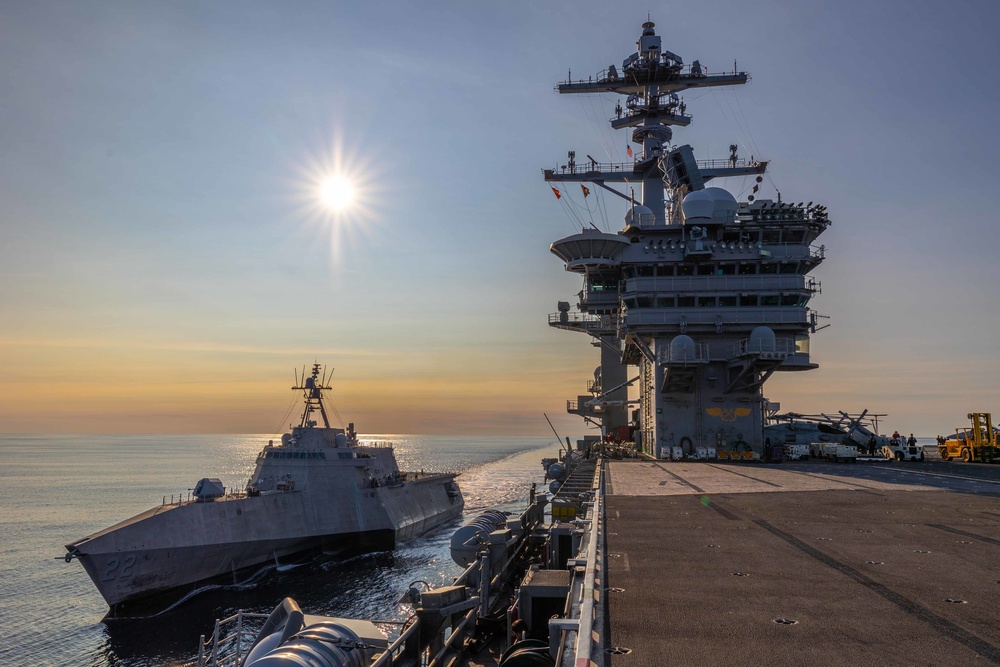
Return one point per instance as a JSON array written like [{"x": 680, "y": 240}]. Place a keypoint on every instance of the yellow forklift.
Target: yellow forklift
[{"x": 975, "y": 443}]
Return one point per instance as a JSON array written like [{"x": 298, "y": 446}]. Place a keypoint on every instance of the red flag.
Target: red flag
[
  {"x": 628, "y": 149},
  {"x": 586, "y": 190},
  {"x": 556, "y": 193}
]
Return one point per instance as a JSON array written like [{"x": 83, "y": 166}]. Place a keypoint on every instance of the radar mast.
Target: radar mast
[{"x": 312, "y": 393}]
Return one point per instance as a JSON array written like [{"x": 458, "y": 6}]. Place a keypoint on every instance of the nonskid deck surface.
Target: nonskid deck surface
[{"x": 876, "y": 565}]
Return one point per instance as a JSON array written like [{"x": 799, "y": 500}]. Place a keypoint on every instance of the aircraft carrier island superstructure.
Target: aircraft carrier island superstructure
[{"x": 706, "y": 295}]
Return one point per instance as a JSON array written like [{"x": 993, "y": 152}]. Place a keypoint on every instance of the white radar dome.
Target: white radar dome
[
  {"x": 710, "y": 204},
  {"x": 682, "y": 348},
  {"x": 762, "y": 340},
  {"x": 640, "y": 216}
]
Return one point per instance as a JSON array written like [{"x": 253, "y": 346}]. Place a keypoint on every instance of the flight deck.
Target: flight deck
[{"x": 802, "y": 563}]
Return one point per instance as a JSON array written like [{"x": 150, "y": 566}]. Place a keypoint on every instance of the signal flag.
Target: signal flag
[
  {"x": 556, "y": 193},
  {"x": 628, "y": 149},
  {"x": 586, "y": 190}
]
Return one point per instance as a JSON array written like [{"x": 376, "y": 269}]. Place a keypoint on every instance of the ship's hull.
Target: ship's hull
[
  {"x": 177, "y": 570},
  {"x": 178, "y": 547}
]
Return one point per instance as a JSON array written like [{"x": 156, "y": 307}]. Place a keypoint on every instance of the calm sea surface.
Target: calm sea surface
[{"x": 56, "y": 489}]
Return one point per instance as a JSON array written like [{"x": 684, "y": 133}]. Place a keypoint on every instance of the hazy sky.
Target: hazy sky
[{"x": 164, "y": 264}]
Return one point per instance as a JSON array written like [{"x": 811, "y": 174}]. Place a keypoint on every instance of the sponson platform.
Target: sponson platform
[{"x": 802, "y": 564}]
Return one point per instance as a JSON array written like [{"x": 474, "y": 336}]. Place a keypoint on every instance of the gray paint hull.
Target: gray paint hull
[{"x": 178, "y": 546}]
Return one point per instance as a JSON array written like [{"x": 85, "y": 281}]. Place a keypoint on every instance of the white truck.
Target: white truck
[
  {"x": 897, "y": 449},
  {"x": 832, "y": 451},
  {"x": 796, "y": 452}
]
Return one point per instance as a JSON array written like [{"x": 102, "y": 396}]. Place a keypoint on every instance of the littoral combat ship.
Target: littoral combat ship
[{"x": 320, "y": 489}]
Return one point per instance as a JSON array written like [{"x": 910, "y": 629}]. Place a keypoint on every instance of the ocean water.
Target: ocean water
[{"x": 56, "y": 489}]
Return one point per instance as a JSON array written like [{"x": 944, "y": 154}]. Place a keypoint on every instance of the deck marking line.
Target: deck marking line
[
  {"x": 762, "y": 481},
  {"x": 723, "y": 511},
  {"x": 939, "y": 623},
  {"x": 838, "y": 481},
  {"x": 680, "y": 479},
  {"x": 941, "y": 474},
  {"x": 965, "y": 533}
]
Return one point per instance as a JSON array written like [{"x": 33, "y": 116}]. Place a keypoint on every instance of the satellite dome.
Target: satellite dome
[
  {"x": 762, "y": 340},
  {"x": 682, "y": 348},
  {"x": 640, "y": 216},
  {"x": 710, "y": 204}
]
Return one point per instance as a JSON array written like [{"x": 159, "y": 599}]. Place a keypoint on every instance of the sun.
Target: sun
[{"x": 336, "y": 193}]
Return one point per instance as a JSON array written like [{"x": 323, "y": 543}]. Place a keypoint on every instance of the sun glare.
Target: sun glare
[{"x": 336, "y": 193}]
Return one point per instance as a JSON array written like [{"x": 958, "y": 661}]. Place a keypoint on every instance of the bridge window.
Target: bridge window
[
  {"x": 790, "y": 300},
  {"x": 706, "y": 269},
  {"x": 685, "y": 302},
  {"x": 665, "y": 270},
  {"x": 789, "y": 267},
  {"x": 665, "y": 302},
  {"x": 802, "y": 344},
  {"x": 645, "y": 301},
  {"x": 727, "y": 269},
  {"x": 727, "y": 301},
  {"x": 748, "y": 300},
  {"x": 706, "y": 302},
  {"x": 685, "y": 270},
  {"x": 748, "y": 269},
  {"x": 770, "y": 300}
]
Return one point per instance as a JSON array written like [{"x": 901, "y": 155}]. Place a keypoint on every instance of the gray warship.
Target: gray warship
[{"x": 319, "y": 490}]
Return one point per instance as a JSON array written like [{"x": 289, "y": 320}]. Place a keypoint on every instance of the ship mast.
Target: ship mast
[
  {"x": 312, "y": 392},
  {"x": 651, "y": 78}
]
